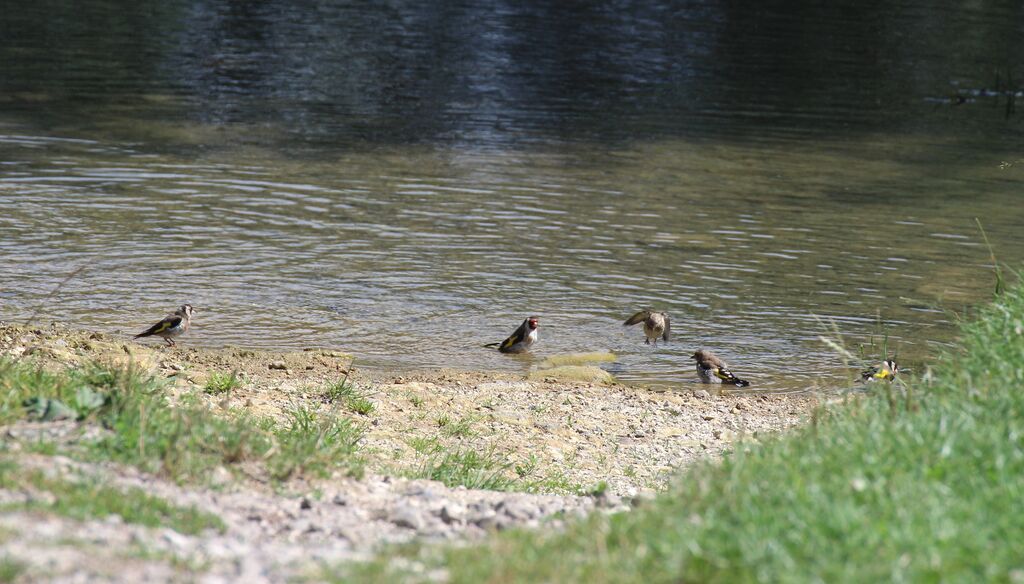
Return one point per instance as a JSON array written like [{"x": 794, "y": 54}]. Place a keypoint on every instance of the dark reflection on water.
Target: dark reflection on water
[
  {"x": 498, "y": 74},
  {"x": 407, "y": 180}
]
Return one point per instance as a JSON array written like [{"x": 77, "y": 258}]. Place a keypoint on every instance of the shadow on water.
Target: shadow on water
[{"x": 407, "y": 181}]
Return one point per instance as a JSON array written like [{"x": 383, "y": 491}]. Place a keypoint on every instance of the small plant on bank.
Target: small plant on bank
[
  {"x": 315, "y": 442},
  {"x": 222, "y": 383},
  {"x": 425, "y": 445},
  {"x": 462, "y": 428},
  {"x": 443, "y": 420},
  {"x": 553, "y": 482},
  {"x": 527, "y": 468},
  {"x": 346, "y": 393},
  {"x": 10, "y": 569},
  {"x": 469, "y": 468}
]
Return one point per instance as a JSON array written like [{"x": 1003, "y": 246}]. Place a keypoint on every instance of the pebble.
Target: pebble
[
  {"x": 493, "y": 522},
  {"x": 518, "y": 510},
  {"x": 606, "y": 500},
  {"x": 278, "y": 365},
  {"x": 221, "y": 476},
  {"x": 176, "y": 540},
  {"x": 453, "y": 513},
  {"x": 406, "y": 516}
]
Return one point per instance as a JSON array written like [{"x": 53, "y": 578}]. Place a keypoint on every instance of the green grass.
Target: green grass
[
  {"x": 19, "y": 383},
  {"x": 346, "y": 393},
  {"x": 918, "y": 483},
  {"x": 220, "y": 383},
  {"x": 461, "y": 428},
  {"x": 466, "y": 467},
  {"x": 424, "y": 445},
  {"x": 10, "y": 569},
  {"x": 316, "y": 443},
  {"x": 185, "y": 440},
  {"x": 482, "y": 469},
  {"x": 84, "y": 498}
]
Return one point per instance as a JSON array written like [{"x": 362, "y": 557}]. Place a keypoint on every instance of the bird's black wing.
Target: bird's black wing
[
  {"x": 516, "y": 337},
  {"x": 167, "y": 323}
]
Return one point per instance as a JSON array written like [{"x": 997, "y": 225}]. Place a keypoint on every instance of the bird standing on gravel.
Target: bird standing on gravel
[
  {"x": 520, "y": 340},
  {"x": 711, "y": 369},
  {"x": 656, "y": 324},
  {"x": 173, "y": 325},
  {"x": 886, "y": 372}
]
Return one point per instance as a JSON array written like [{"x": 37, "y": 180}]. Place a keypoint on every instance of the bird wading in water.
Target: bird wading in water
[
  {"x": 521, "y": 340},
  {"x": 656, "y": 324},
  {"x": 887, "y": 371},
  {"x": 711, "y": 369},
  {"x": 173, "y": 325}
]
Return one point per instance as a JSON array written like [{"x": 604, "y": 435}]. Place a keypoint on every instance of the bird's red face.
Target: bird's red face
[{"x": 533, "y": 323}]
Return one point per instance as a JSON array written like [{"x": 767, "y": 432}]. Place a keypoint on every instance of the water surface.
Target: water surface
[{"x": 409, "y": 183}]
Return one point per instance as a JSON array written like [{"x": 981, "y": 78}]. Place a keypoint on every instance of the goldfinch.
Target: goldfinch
[
  {"x": 711, "y": 369},
  {"x": 173, "y": 325},
  {"x": 656, "y": 324},
  {"x": 886, "y": 372},
  {"x": 520, "y": 340}
]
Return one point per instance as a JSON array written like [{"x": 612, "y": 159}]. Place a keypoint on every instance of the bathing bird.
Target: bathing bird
[
  {"x": 656, "y": 324},
  {"x": 887, "y": 371},
  {"x": 711, "y": 369},
  {"x": 173, "y": 325},
  {"x": 521, "y": 339}
]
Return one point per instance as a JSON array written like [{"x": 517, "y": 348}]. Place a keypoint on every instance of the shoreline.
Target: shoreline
[
  {"x": 557, "y": 449},
  {"x": 656, "y": 431}
]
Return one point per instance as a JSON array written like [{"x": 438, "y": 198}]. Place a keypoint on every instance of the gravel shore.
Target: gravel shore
[{"x": 574, "y": 447}]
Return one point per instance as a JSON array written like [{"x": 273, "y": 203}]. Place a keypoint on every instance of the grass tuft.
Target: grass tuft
[
  {"x": 84, "y": 499},
  {"x": 346, "y": 393},
  {"x": 187, "y": 440},
  {"x": 221, "y": 383},
  {"x": 461, "y": 428},
  {"x": 317, "y": 443},
  {"x": 469, "y": 468},
  {"x": 1000, "y": 285},
  {"x": 11, "y": 569}
]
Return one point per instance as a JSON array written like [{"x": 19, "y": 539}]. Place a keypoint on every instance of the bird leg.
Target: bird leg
[
  {"x": 170, "y": 343},
  {"x": 647, "y": 341}
]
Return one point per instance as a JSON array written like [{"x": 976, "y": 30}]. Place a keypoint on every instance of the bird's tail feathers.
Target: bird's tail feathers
[{"x": 728, "y": 377}]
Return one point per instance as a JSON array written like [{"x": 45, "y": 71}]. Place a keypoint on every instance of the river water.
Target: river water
[{"x": 408, "y": 182}]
